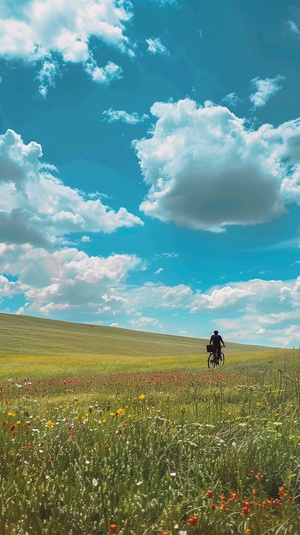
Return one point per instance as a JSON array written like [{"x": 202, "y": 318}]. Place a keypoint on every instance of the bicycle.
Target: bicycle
[{"x": 213, "y": 359}]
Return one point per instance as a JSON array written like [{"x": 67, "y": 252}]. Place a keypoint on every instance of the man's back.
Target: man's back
[{"x": 216, "y": 340}]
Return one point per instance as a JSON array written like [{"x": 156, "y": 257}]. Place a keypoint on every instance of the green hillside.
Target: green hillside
[{"x": 26, "y": 335}]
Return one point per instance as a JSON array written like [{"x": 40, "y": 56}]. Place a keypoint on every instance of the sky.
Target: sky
[{"x": 150, "y": 165}]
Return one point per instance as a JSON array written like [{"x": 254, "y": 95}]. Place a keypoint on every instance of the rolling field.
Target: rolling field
[
  {"x": 113, "y": 431},
  {"x": 58, "y": 348}
]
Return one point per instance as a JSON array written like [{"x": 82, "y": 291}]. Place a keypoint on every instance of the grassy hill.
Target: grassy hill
[{"x": 26, "y": 335}]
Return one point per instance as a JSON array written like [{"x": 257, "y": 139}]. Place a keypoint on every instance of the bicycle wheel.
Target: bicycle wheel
[
  {"x": 211, "y": 361},
  {"x": 222, "y": 360}
]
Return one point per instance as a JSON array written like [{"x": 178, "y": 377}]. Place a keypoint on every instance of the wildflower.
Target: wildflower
[
  {"x": 234, "y": 497},
  {"x": 50, "y": 424},
  {"x": 223, "y": 507},
  {"x": 258, "y": 475},
  {"x": 113, "y": 528},
  {"x": 164, "y": 533},
  {"x": 94, "y": 482},
  {"x": 12, "y": 427},
  {"x": 142, "y": 397},
  {"x": 245, "y": 511},
  {"x": 282, "y": 492},
  {"x": 209, "y": 494},
  {"x": 222, "y": 497},
  {"x": 192, "y": 521},
  {"x": 255, "y": 493},
  {"x": 213, "y": 506}
]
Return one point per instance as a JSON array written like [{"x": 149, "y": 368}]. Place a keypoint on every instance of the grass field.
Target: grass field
[{"x": 113, "y": 431}]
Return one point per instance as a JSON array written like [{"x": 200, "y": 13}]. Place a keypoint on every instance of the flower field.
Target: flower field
[{"x": 181, "y": 452}]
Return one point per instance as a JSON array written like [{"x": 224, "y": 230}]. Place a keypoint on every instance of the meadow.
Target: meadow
[{"x": 111, "y": 431}]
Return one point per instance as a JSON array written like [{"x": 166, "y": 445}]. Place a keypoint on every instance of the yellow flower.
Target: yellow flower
[
  {"x": 11, "y": 413},
  {"x": 18, "y": 422},
  {"x": 104, "y": 421},
  {"x": 50, "y": 424},
  {"x": 142, "y": 397}
]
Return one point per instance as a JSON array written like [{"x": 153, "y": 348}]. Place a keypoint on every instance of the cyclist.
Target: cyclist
[{"x": 216, "y": 340}]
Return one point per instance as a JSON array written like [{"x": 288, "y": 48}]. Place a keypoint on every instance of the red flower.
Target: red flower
[
  {"x": 193, "y": 520},
  {"x": 245, "y": 511},
  {"x": 164, "y": 533},
  {"x": 209, "y": 494},
  {"x": 282, "y": 492},
  {"x": 113, "y": 528},
  {"x": 256, "y": 493}
]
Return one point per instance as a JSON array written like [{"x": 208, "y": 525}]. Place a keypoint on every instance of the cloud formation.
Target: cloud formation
[
  {"x": 65, "y": 279},
  {"x": 206, "y": 169},
  {"x": 155, "y": 46},
  {"x": 122, "y": 116},
  {"x": 264, "y": 90},
  {"x": 60, "y": 30},
  {"x": 37, "y": 208}
]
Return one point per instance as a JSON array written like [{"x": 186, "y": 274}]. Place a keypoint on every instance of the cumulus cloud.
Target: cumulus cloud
[
  {"x": 35, "y": 31},
  {"x": 206, "y": 169},
  {"x": 264, "y": 90},
  {"x": 36, "y": 207},
  {"x": 121, "y": 116},
  {"x": 254, "y": 302},
  {"x": 155, "y": 46},
  {"x": 66, "y": 279}
]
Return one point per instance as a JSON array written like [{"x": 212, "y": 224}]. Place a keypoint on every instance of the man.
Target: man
[{"x": 216, "y": 340}]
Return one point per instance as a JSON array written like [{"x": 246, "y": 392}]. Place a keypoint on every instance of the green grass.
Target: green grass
[
  {"x": 42, "y": 346},
  {"x": 149, "y": 442}
]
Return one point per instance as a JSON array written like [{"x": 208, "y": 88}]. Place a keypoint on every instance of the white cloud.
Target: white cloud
[
  {"x": 65, "y": 279},
  {"x": 37, "y": 208},
  {"x": 293, "y": 28},
  {"x": 47, "y": 75},
  {"x": 158, "y": 271},
  {"x": 115, "y": 116},
  {"x": 145, "y": 321},
  {"x": 231, "y": 99},
  {"x": 264, "y": 90},
  {"x": 253, "y": 301},
  {"x": 206, "y": 169},
  {"x": 39, "y": 30},
  {"x": 104, "y": 75},
  {"x": 155, "y": 46}
]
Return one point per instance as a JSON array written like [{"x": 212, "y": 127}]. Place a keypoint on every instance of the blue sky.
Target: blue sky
[{"x": 150, "y": 165}]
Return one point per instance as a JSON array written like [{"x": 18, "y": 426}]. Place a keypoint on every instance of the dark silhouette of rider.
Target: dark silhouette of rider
[{"x": 216, "y": 340}]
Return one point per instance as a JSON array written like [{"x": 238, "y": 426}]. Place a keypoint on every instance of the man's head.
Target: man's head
[{"x": 216, "y": 332}]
